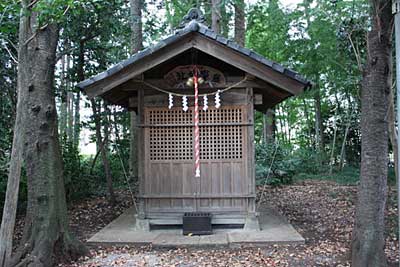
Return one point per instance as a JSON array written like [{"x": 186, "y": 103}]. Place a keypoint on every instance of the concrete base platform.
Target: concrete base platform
[{"x": 274, "y": 230}]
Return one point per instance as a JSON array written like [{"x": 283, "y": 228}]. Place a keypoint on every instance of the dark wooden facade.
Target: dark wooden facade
[{"x": 168, "y": 186}]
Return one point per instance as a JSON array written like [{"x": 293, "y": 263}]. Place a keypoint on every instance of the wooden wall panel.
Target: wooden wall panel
[{"x": 225, "y": 185}]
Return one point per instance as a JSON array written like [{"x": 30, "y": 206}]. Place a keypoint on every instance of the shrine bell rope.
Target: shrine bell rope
[
  {"x": 196, "y": 125},
  {"x": 188, "y": 95}
]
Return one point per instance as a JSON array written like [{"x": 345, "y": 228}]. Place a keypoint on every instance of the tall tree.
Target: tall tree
[
  {"x": 101, "y": 145},
  {"x": 8, "y": 100},
  {"x": 14, "y": 174},
  {"x": 97, "y": 121},
  {"x": 240, "y": 23},
  {"x": 216, "y": 15},
  {"x": 319, "y": 131},
  {"x": 368, "y": 235},
  {"x": 269, "y": 126},
  {"x": 46, "y": 231},
  {"x": 136, "y": 45},
  {"x": 63, "y": 105}
]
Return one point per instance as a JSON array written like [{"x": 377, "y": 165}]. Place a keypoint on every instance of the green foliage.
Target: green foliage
[
  {"x": 52, "y": 11},
  {"x": 84, "y": 179},
  {"x": 391, "y": 176},
  {"x": 286, "y": 163},
  {"x": 268, "y": 30},
  {"x": 350, "y": 175},
  {"x": 325, "y": 41},
  {"x": 85, "y": 184},
  {"x": 74, "y": 182},
  {"x": 274, "y": 165},
  {"x": 290, "y": 165}
]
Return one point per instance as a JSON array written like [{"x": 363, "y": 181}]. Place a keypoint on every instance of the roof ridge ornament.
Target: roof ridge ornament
[{"x": 193, "y": 14}]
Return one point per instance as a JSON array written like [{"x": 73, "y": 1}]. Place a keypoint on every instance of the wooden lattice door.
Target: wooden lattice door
[{"x": 170, "y": 184}]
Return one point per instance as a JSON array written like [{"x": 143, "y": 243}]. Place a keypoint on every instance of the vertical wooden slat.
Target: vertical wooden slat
[
  {"x": 206, "y": 183},
  {"x": 226, "y": 177},
  {"x": 233, "y": 182},
  {"x": 176, "y": 187},
  {"x": 141, "y": 156},
  {"x": 188, "y": 186},
  {"x": 156, "y": 184}
]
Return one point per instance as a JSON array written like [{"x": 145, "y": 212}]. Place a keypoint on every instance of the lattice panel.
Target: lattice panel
[
  {"x": 168, "y": 142},
  {"x": 221, "y": 142},
  {"x": 171, "y": 143},
  {"x": 171, "y": 134},
  {"x": 221, "y": 115},
  {"x": 174, "y": 116}
]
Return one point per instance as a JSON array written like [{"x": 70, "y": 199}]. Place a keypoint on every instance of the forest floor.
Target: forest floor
[{"x": 323, "y": 212}]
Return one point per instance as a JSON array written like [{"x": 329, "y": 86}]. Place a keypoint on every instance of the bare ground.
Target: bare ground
[{"x": 322, "y": 212}]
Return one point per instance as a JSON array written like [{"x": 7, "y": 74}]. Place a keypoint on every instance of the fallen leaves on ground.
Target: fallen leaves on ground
[{"x": 322, "y": 212}]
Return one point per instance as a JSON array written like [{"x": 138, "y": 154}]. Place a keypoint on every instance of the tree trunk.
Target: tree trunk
[
  {"x": 368, "y": 235},
  {"x": 103, "y": 152},
  {"x": 136, "y": 26},
  {"x": 114, "y": 119},
  {"x": 70, "y": 106},
  {"x": 136, "y": 45},
  {"x": 392, "y": 131},
  {"x": 81, "y": 76},
  {"x": 70, "y": 116},
  {"x": 14, "y": 174},
  {"x": 332, "y": 157},
  {"x": 63, "y": 108},
  {"x": 284, "y": 124},
  {"x": 282, "y": 127},
  {"x": 46, "y": 232},
  {"x": 289, "y": 127},
  {"x": 343, "y": 149},
  {"x": 269, "y": 126},
  {"x": 216, "y": 16},
  {"x": 77, "y": 119},
  {"x": 306, "y": 114},
  {"x": 239, "y": 22},
  {"x": 319, "y": 132}
]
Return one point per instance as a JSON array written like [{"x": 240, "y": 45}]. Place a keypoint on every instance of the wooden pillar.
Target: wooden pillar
[
  {"x": 141, "y": 154},
  {"x": 250, "y": 149}
]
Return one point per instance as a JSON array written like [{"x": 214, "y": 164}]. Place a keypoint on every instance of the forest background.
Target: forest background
[{"x": 316, "y": 135}]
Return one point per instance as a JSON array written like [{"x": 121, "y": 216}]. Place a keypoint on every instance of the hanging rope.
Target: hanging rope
[
  {"x": 188, "y": 95},
  {"x": 266, "y": 180},
  {"x": 196, "y": 126}
]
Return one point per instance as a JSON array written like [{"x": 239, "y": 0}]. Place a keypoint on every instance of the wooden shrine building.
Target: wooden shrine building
[{"x": 159, "y": 84}]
